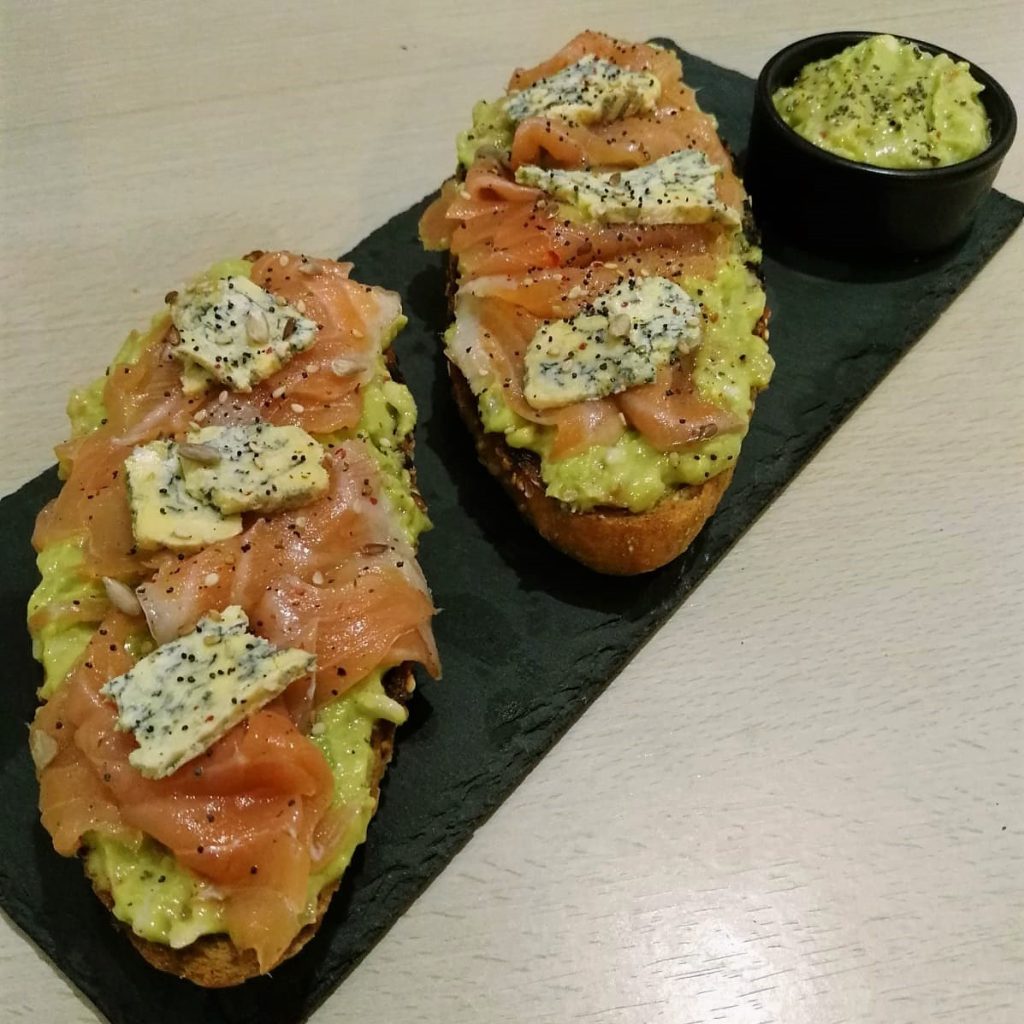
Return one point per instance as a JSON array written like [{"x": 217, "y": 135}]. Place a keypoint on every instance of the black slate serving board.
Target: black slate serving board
[{"x": 528, "y": 638}]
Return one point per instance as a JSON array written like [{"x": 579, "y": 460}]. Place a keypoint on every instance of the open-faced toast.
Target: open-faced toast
[
  {"x": 230, "y": 610},
  {"x": 609, "y": 327}
]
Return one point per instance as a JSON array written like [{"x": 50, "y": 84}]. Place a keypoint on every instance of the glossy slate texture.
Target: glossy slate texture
[{"x": 528, "y": 638}]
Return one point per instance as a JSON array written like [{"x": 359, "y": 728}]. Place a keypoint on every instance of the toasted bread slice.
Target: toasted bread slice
[{"x": 214, "y": 961}]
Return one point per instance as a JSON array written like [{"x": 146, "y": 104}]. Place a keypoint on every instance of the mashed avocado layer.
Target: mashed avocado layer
[
  {"x": 887, "y": 103},
  {"x": 491, "y": 127},
  {"x": 58, "y": 644},
  {"x": 157, "y": 897},
  {"x": 731, "y": 363}
]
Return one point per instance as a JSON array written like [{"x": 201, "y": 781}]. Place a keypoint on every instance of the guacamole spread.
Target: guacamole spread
[
  {"x": 492, "y": 127},
  {"x": 887, "y": 103},
  {"x": 161, "y": 900}
]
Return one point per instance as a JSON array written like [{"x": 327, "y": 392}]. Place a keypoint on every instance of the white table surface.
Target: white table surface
[{"x": 802, "y": 801}]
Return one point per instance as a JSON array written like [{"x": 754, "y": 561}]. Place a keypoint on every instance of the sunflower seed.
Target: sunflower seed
[
  {"x": 256, "y": 325},
  {"x": 204, "y": 454},
  {"x": 619, "y": 325},
  {"x": 121, "y": 596},
  {"x": 43, "y": 746},
  {"x": 343, "y": 367}
]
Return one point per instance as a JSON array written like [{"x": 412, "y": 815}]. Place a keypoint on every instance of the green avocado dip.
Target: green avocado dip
[
  {"x": 886, "y": 103},
  {"x": 152, "y": 893}
]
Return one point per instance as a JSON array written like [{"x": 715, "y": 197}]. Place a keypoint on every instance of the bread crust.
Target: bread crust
[{"x": 214, "y": 961}]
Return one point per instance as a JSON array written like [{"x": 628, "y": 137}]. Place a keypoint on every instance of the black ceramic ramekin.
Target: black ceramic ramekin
[{"x": 805, "y": 194}]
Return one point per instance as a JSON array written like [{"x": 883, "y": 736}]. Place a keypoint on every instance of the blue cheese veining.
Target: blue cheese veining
[
  {"x": 591, "y": 90},
  {"x": 618, "y": 342},
  {"x": 182, "y": 698},
  {"x": 236, "y": 332},
  {"x": 164, "y": 514},
  {"x": 255, "y": 467},
  {"x": 677, "y": 189}
]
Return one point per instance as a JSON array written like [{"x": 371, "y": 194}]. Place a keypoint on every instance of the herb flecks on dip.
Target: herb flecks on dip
[{"x": 887, "y": 103}]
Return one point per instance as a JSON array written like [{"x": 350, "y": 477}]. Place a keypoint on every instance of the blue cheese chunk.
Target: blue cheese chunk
[
  {"x": 677, "y": 189},
  {"x": 182, "y": 698},
  {"x": 236, "y": 331},
  {"x": 591, "y": 90},
  {"x": 195, "y": 380},
  {"x": 618, "y": 342},
  {"x": 164, "y": 514},
  {"x": 255, "y": 467}
]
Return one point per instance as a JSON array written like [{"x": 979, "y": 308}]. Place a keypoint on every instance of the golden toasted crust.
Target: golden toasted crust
[
  {"x": 612, "y": 541},
  {"x": 214, "y": 961}
]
